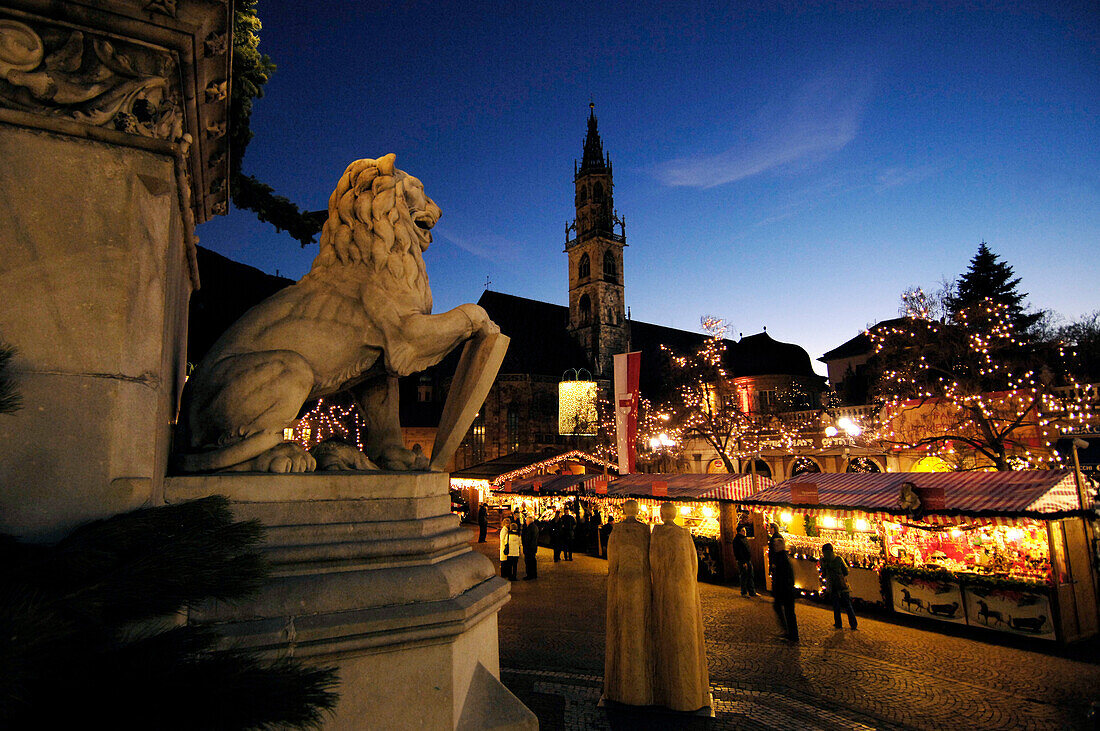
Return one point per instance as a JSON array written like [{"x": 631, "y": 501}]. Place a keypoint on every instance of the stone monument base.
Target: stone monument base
[{"x": 371, "y": 573}]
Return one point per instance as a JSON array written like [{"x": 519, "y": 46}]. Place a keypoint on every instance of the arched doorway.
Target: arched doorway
[
  {"x": 863, "y": 464},
  {"x": 804, "y": 466},
  {"x": 762, "y": 468}
]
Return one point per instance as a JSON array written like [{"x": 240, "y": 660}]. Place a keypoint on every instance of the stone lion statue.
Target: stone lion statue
[{"x": 357, "y": 321}]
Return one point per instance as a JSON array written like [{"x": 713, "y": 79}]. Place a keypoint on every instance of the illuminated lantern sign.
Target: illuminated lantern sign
[{"x": 577, "y": 406}]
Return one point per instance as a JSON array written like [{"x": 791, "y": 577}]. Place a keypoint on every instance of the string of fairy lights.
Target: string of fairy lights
[
  {"x": 968, "y": 394},
  {"x": 328, "y": 420}
]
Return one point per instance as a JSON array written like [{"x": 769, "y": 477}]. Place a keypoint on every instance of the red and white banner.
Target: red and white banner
[{"x": 627, "y": 366}]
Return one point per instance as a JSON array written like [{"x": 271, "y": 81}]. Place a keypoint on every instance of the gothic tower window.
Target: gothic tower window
[
  {"x": 610, "y": 271},
  {"x": 585, "y": 310},
  {"x": 585, "y": 267},
  {"x": 597, "y": 192}
]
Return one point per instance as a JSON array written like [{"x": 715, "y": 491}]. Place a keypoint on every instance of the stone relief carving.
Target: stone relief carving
[
  {"x": 67, "y": 73},
  {"x": 164, "y": 7},
  {"x": 216, "y": 91},
  {"x": 357, "y": 321},
  {"x": 215, "y": 44}
]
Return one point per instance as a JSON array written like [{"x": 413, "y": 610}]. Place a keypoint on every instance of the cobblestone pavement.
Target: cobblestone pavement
[{"x": 893, "y": 673}]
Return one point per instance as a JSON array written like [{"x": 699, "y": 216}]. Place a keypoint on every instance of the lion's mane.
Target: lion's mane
[{"x": 370, "y": 225}]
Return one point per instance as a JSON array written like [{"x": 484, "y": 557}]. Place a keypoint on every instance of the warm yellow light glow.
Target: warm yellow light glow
[
  {"x": 955, "y": 532},
  {"x": 786, "y": 517},
  {"x": 708, "y": 512},
  {"x": 831, "y": 431},
  {"x": 1014, "y": 534},
  {"x": 828, "y": 521},
  {"x": 930, "y": 464},
  {"x": 643, "y": 509},
  {"x": 685, "y": 510},
  {"x": 288, "y": 434},
  {"x": 577, "y": 407},
  {"x": 862, "y": 525}
]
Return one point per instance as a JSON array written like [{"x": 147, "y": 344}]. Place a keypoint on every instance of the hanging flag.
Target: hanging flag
[{"x": 627, "y": 366}]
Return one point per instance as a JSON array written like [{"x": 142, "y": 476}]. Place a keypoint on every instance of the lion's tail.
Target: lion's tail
[{"x": 224, "y": 457}]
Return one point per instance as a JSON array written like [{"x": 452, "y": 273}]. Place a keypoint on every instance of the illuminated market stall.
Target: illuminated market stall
[
  {"x": 487, "y": 482},
  {"x": 1000, "y": 550},
  {"x": 540, "y": 495}
]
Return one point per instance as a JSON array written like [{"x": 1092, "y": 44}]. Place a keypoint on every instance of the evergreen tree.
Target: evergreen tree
[
  {"x": 9, "y": 397},
  {"x": 87, "y": 641},
  {"x": 988, "y": 278}
]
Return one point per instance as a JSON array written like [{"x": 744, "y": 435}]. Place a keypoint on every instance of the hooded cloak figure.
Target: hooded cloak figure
[
  {"x": 681, "y": 680},
  {"x": 628, "y": 661}
]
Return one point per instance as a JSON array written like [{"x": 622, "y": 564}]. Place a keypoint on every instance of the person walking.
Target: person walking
[
  {"x": 835, "y": 569},
  {"x": 783, "y": 590},
  {"x": 555, "y": 535},
  {"x": 482, "y": 522},
  {"x": 773, "y": 536},
  {"x": 509, "y": 550},
  {"x": 568, "y": 529},
  {"x": 743, "y": 555},
  {"x": 530, "y": 550}
]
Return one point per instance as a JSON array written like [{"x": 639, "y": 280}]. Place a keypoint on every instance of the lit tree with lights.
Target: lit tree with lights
[
  {"x": 967, "y": 386},
  {"x": 705, "y": 404},
  {"x": 658, "y": 439}
]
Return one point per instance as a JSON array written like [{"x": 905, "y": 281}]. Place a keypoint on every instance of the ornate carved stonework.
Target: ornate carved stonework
[
  {"x": 215, "y": 44},
  {"x": 61, "y": 72},
  {"x": 164, "y": 7},
  {"x": 216, "y": 91}
]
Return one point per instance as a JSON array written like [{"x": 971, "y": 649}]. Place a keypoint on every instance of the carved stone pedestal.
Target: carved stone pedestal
[{"x": 372, "y": 573}]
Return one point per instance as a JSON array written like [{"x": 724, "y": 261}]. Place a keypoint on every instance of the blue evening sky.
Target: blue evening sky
[{"x": 794, "y": 165}]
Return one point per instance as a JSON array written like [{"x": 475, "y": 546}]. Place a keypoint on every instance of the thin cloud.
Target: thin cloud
[
  {"x": 821, "y": 117},
  {"x": 489, "y": 246},
  {"x": 895, "y": 176}
]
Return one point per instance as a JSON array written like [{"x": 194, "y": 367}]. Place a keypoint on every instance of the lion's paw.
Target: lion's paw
[
  {"x": 285, "y": 457},
  {"x": 480, "y": 320},
  {"x": 335, "y": 454},
  {"x": 403, "y": 460}
]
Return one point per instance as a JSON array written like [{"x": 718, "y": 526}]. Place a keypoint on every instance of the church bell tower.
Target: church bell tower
[{"x": 596, "y": 297}]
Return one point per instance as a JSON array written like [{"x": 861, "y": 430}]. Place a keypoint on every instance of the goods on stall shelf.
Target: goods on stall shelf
[{"x": 1019, "y": 552}]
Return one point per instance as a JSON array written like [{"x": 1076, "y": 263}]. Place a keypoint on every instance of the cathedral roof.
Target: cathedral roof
[{"x": 541, "y": 344}]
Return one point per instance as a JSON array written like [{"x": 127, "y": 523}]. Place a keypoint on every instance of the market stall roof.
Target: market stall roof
[
  {"x": 1031, "y": 493},
  {"x": 524, "y": 464},
  {"x": 553, "y": 484},
  {"x": 687, "y": 486}
]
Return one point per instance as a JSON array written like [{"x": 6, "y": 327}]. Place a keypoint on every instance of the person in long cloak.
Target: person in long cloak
[
  {"x": 681, "y": 680},
  {"x": 628, "y": 659}
]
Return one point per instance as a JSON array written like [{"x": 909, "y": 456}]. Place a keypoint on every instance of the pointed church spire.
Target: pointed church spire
[{"x": 593, "y": 160}]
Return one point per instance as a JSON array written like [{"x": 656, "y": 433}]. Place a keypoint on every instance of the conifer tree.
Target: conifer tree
[
  {"x": 9, "y": 397},
  {"x": 87, "y": 641},
  {"x": 989, "y": 278}
]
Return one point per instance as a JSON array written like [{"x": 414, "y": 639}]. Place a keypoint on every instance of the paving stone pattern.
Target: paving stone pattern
[{"x": 892, "y": 673}]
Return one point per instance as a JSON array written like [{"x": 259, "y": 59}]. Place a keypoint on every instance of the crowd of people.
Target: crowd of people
[
  {"x": 573, "y": 525},
  {"x": 576, "y": 523}
]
